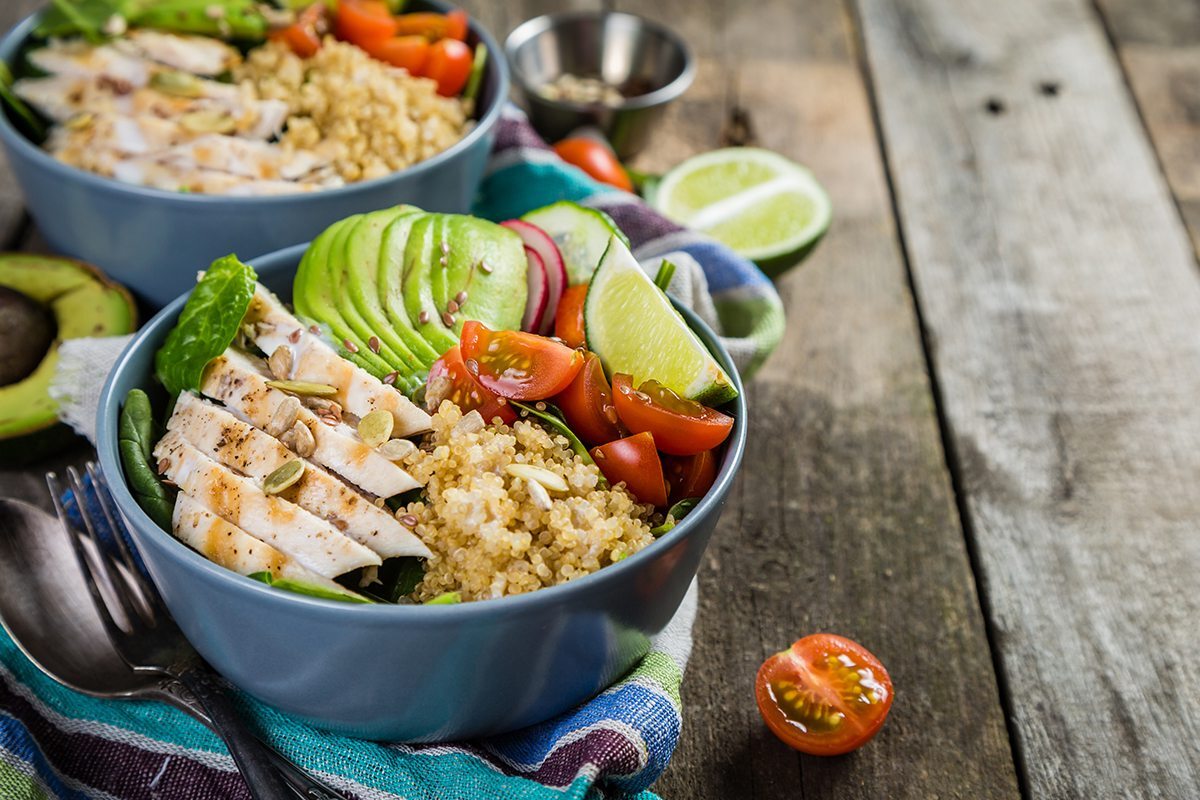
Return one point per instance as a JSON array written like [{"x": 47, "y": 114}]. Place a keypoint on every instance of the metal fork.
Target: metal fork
[{"x": 149, "y": 641}]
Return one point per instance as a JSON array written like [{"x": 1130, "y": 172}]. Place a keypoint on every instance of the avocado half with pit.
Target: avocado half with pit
[{"x": 44, "y": 301}]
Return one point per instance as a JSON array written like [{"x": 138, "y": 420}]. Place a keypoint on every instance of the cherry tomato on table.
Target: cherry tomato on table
[
  {"x": 304, "y": 35},
  {"x": 450, "y": 380},
  {"x": 587, "y": 404},
  {"x": 680, "y": 426},
  {"x": 690, "y": 476},
  {"x": 363, "y": 21},
  {"x": 408, "y": 52},
  {"x": 634, "y": 461},
  {"x": 568, "y": 318},
  {"x": 595, "y": 159},
  {"x": 518, "y": 365},
  {"x": 825, "y": 695},
  {"x": 449, "y": 64}
]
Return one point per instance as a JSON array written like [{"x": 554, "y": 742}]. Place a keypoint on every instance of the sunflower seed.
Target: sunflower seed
[
  {"x": 280, "y": 362},
  {"x": 302, "y": 440},
  {"x": 539, "y": 475},
  {"x": 538, "y": 494},
  {"x": 284, "y": 416}
]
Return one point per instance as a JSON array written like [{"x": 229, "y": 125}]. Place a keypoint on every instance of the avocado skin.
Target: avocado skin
[
  {"x": 26, "y": 333},
  {"x": 83, "y": 302}
]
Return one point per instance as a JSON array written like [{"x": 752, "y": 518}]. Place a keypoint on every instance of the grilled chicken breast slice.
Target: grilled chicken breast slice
[
  {"x": 310, "y": 540},
  {"x": 359, "y": 392},
  {"x": 240, "y": 382},
  {"x": 238, "y": 445},
  {"x": 231, "y": 547},
  {"x": 200, "y": 55}
]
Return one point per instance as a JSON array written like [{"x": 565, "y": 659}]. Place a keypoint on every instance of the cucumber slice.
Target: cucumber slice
[
  {"x": 632, "y": 326},
  {"x": 581, "y": 234}
]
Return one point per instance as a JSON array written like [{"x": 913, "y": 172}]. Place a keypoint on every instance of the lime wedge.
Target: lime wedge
[
  {"x": 763, "y": 206},
  {"x": 631, "y": 325}
]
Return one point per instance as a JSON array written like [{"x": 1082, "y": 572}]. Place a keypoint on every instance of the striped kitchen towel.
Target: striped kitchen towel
[{"x": 57, "y": 743}]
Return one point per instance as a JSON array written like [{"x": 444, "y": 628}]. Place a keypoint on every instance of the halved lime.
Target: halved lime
[
  {"x": 631, "y": 325},
  {"x": 765, "y": 207}
]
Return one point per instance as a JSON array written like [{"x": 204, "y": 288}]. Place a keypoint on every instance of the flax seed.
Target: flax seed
[
  {"x": 390, "y": 378},
  {"x": 373, "y": 343},
  {"x": 461, "y": 298},
  {"x": 452, "y": 307},
  {"x": 448, "y": 319},
  {"x": 423, "y": 317}
]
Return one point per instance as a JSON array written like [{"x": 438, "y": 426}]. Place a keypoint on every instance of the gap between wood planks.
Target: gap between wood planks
[{"x": 953, "y": 463}]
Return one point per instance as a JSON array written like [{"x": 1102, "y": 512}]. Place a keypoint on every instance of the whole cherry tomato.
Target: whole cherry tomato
[{"x": 595, "y": 159}]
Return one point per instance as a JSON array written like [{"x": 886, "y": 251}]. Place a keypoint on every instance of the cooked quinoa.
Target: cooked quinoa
[
  {"x": 491, "y": 533},
  {"x": 369, "y": 118}
]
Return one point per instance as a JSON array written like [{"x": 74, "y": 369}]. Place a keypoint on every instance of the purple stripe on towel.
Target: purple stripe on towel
[
  {"x": 142, "y": 775},
  {"x": 610, "y": 751}
]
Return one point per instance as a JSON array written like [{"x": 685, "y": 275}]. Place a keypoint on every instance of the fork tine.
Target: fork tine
[
  {"x": 147, "y": 590},
  {"x": 110, "y": 625},
  {"x": 109, "y": 573}
]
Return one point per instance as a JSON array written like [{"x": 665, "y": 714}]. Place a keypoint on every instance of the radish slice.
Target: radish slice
[
  {"x": 539, "y": 292},
  {"x": 556, "y": 271}
]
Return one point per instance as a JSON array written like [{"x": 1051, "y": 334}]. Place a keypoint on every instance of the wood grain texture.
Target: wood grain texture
[
  {"x": 13, "y": 220},
  {"x": 1060, "y": 298},
  {"x": 1159, "y": 47},
  {"x": 843, "y": 519}
]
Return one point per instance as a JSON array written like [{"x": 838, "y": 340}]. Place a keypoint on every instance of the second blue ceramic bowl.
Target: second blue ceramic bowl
[
  {"x": 154, "y": 241},
  {"x": 413, "y": 673}
]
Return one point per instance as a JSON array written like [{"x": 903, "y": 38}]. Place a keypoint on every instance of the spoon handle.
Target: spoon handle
[{"x": 250, "y": 754}]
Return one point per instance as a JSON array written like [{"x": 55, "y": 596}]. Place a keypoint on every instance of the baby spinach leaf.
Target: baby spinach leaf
[
  {"x": 207, "y": 325},
  {"x": 135, "y": 437},
  {"x": 398, "y": 578},
  {"x": 674, "y": 514},
  {"x": 310, "y": 589}
]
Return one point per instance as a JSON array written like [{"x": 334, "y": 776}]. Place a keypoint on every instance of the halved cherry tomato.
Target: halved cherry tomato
[
  {"x": 450, "y": 65},
  {"x": 568, "y": 318},
  {"x": 634, "y": 461},
  {"x": 587, "y": 404},
  {"x": 360, "y": 21},
  {"x": 681, "y": 427},
  {"x": 450, "y": 380},
  {"x": 825, "y": 695},
  {"x": 518, "y": 365},
  {"x": 595, "y": 159},
  {"x": 304, "y": 35},
  {"x": 690, "y": 476},
  {"x": 432, "y": 26},
  {"x": 408, "y": 52}
]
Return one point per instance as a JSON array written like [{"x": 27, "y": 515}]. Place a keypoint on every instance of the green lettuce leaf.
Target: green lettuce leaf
[
  {"x": 135, "y": 438},
  {"x": 208, "y": 324}
]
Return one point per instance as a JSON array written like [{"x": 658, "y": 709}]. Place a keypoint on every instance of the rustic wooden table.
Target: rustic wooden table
[{"x": 977, "y": 450}]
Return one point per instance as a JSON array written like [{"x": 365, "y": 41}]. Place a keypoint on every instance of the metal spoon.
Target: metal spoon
[{"x": 46, "y": 609}]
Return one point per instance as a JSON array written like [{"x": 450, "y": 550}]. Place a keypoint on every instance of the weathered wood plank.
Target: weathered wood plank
[
  {"x": 843, "y": 519},
  {"x": 1159, "y": 46},
  {"x": 12, "y": 209},
  {"x": 1060, "y": 299}
]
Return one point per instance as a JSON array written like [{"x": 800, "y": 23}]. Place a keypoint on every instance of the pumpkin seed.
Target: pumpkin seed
[
  {"x": 539, "y": 475},
  {"x": 177, "y": 83},
  {"x": 304, "y": 388},
  {"x": 285, "y": 476},
  {"x": 376, "y": 427},
  {"x": 208, "y": 121},
  {"x": 280, "y": 362},
  {"x": 397, "y": 449}
]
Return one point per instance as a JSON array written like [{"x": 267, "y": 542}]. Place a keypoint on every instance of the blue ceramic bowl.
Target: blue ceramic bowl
[
  {"x": 413, "y": 673},
  {"x": 154, "y": 241}
]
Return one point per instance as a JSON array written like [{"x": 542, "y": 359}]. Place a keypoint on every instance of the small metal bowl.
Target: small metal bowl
[{"x": 648, "y": 63}]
